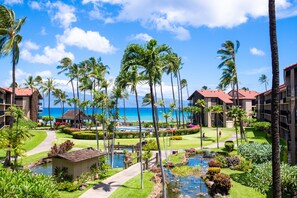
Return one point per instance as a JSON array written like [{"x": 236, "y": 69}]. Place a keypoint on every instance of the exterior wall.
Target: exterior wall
[
  {"x": 26, "y": 106},
  {"x": 57, "y": 162},
  {"x": 247, "y": 105}
]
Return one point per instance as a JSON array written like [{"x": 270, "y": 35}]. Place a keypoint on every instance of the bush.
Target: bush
[
  {"x": 27, "y": 123},
  {"x": 214, "y": 164},
  {"x": 257, "y": 153},
  {"x": 60, "y": 149},
  {"x": 46, "y": 119},
  {"x": 213, "y": 170},
  {"x": 150, "y": 145},
  {"x": 176, "y": 138},
  {"x": 229, "y": 145},
  {"x": 26, "y": 184},
  {"x": 244, "y": 165},
  {"x": 222, "y": 183},
  {"x": 261, "y": 126},
  {"x": 69, "y": 130},
  {"x": 233, "y": 161},
  {"x": 222, "y": 159}
]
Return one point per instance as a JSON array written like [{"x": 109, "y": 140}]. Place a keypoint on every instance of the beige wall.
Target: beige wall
[
  {"x": 26, "y": 106},
  {"x": 247, "y": 106}
]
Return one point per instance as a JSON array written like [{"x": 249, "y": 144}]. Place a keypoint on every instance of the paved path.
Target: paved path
[
  {"x": 45, "y": 145},
  {"x": 105, "y": 188}
]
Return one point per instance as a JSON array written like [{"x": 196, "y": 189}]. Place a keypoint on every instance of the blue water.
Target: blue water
[
  {"x": 131, "y": 113},
  {"x": 190, "y": 185}
]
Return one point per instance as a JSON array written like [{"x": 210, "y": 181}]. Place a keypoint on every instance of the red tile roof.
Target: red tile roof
[
  {"x": 20, "y": 91},
  {"x": 246, "y": 94},
  {"x": 216, "y": 94},
  {"x": 291, "y": 66},
  {"x": 281, "y": 88}
]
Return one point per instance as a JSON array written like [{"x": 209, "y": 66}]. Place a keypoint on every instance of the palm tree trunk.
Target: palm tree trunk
[
  {"x": 201, "y": 136},
  {"x": 276, "y": 180},
  {"x": 73, "y": 94},
  {"x": 157, "y": 135},
  {"x": 140, "y": 139},
  {"x": 173, "y": 95},
  {"x": 124, "y": 105},
  {"x": 236, "y": 131},
  {"x": 156, "y": 107},
  {"x": 77, "y": 90},
  {"x": 164, "y": 106},
  {"x": 93, "y": 106},
  {"x": 188, "y": 91},
  {"x": 178, "y": 100},
  {"x": 113, "y": 133},
  {"x": 216, "y": 115},
  {"x": 49, "y": 108},
  {"x": 182, "y": 105}
]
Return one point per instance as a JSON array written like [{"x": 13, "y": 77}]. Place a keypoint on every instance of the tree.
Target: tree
[
  {"x": 147, "y": 58},
  {"x": 216, "y": 109},
  {"x": 204, "y": 87},
  {"x": 31, "y": 83},
  {"x": 245, "y": 88},
  {"x": 200, "y": 104},
  {"x": 10, "y": 39},
  {"x": 47, "y": 87},
  {"x": 184, "y": 83},
  {"x": 264, "y": 80},
  {"x": 276, "y": 180},
  {"x": 61, "y": 97},
  {"x": 236, "y": 113}
]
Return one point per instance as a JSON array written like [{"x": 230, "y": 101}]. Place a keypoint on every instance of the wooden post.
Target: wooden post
[
  {"x": 118, "y": 145},
  {"x": 146, "y": 164},
  {"x": 132, "y": 148},
  {"x": 157, "y": 158},
  {"x": 138, "y": 154}
]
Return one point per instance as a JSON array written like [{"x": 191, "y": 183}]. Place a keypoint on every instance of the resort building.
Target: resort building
[
  {"x": 287, "y": 111},
  {"x": 25, "y": 98},
  {"x": 247, "y": 100}
]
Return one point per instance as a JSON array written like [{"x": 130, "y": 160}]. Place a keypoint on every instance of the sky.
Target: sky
[{"x": 195, "y": 29}]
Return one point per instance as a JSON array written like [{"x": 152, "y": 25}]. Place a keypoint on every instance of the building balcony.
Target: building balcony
[
  {"x": 1, "y": 125},
  {"x": 1, "y": 101},
  {"x": 289, "y": 91},
  {"x": 2, "y": 113}
]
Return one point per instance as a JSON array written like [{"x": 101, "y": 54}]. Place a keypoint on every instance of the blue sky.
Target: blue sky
[{"x": 195, "y": 29}]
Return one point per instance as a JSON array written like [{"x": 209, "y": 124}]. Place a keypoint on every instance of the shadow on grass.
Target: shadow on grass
[{"x": 107, "y": 187}]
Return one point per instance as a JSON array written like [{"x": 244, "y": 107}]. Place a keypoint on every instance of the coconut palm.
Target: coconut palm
[
  {"x": 216, "y": 109},
  {"x": 204, "y": 87},
  {"x": 61, "y": 97},
  {"x": 47, "y": 87},
  {"x": 200, "y": 104},
  {"x": 264, "y": 80},
  {"x": 184, "y": 83},
  {"x": 10, "y": 39},
  {"x": 276, "y": 180},
  {"x": 236, "y": 113},
  {"x": 147, "y": 58}
]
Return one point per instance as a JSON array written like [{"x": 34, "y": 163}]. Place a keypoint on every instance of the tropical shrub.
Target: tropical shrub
[
  {"x": 257, "y": 153},
  {"x": 222, "y": 183},
  {"x": 27, "y": 123},
  {"x": 233, "y": 161},
  {"x": 244, "y": 165},
  {"x": 46, "y": 119},
  {"x": 261, "y": 126},
  {"x": 229, "y": 145},
  {"x": 26, "y": 184},
  {"x": 222, "y": 159},
  {"x": 176, "y": 138},
  {"x": 60, "y": 149},
  {"x": 214, "y": 163},
  {"x": 213, "y": 170},
  {"x": 69, "y": 130},
  {"x": 150, "y": 145}
]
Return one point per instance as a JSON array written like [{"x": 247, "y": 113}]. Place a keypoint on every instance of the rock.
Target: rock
[
  {"x": 155, "y": 169},
  {"x": 156, "y": 179},
  {"x": 191, "y": 150}
]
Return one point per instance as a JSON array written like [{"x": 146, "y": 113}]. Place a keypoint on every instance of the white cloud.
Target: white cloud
[
  {"x": 49, "y": 56},
  {"x": 256, "y": 71},
  {"x": 141, "y": 36},
  {"x": 44, "y": 74},
  {"x": 176, "y": 16},
  {"x": 34, "y": 5},
  {"x": 11, "y": 2},
  {"x": 62, "y": 13},
  {"x": 20, "y": 76},
  {"x": 86, "y": 39},
  {"x": 29, "y": 45},
  {"x": 257, "y": 52},
  {"x": 43, "y": 31}
]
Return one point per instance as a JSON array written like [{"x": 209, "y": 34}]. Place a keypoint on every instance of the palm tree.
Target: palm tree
[
  {"x": 264, "y": 80},
  {"x": 147, "y": 58},
  {"x": 10, "y": 39},
  {"x": 204, "y": 87},
  {"x": 200, "y": 104},
  {"x": 276, "y": 181},
  {"x": 184, "y": 83},
  {"x": 47, "y": 87},
  {"x": 236, "y": 113},
  {"x": 216, "y": 109},
  {"x": 245, "y": 88},
  {"x": 61, "y": 97}
]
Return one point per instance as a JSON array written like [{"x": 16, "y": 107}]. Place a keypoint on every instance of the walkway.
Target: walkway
[
  {"x": 45, "y": 145},
  {"x": 105, "y": 188}
]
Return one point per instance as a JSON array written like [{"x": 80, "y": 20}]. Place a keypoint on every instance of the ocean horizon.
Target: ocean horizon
[{"x": 131, "y": 113}]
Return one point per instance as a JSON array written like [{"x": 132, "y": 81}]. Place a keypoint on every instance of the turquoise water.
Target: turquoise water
[{"x": 131, "y": 113}]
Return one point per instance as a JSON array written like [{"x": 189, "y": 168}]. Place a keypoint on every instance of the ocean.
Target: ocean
[{"x": 131, "y": 113}]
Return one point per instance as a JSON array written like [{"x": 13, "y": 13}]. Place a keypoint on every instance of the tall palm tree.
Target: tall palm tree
[
  {"x": 236, "y": 113},
  {"x": 200, "y": 104},
  {"x": 216, "y": 109},
  {"x": 264, "y": 80},
  {"x": 47, "y": 87},
  {"x": 184, "y": 83},
  {"x": 147, "y": 58},
  {"x": 61, "y": 97},
  {"x": 10, "y": 39},
  {"x": 276, "y": 180}
]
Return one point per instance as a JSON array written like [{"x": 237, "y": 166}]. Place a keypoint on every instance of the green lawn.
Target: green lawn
[
  {"x": 261, "y": 137},
  {"x": 238, "y": 189},
  {"x": 131, "y": 189},
  {"x": 37, "y": 137},
  {"x": 188, "y": 141},
  {"x": 25, "y": 161},
  {"x": 77, "y": 193}
]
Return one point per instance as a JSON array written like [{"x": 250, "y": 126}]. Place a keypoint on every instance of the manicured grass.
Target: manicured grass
[
  {"x": 25, "y": 161},
  {"x": 132, "y": 189},
  {"x": 188, "y": 141},
  {"x": 261, "y": 137},
  {"x": 37, "y": 137},
  {"x": 238, "y": 189},
  {"x": 77, "y": 193},
  {"x": 177, "y": 158}
]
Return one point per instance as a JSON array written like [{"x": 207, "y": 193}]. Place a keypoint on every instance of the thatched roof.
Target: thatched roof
[
  {"x": 80, "y": 155},
  {"x": 73, "y": 115}
]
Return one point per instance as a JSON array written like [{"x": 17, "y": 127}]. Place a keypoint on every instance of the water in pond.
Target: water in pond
[
  {"x": 189, "y": 186},
  {"x": 46, "y": 169}
]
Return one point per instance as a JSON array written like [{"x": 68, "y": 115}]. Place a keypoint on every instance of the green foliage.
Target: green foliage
[
  {"x": 176, "y": 138},
  {"x": 69, "y": 130},
  {"x": 257, "y": 153},
  {"x": 213, "y": 170},
  {"x": 147, "y": 155},
  {"x": 249, "y": 121},
  {"x": 222, "y": 183},
  {"x": 222, "y": 159},
  {"x": 261, "y": 126},
  {"x": 69, "y": 186},
  {"x": 185, "y": 170},
  {"x": 150, "y": 145},
  {"x": 27, "y": 123},
  {"x": 229, "y": 145},
  {"x": 244, "y": 165},
  {"x": 233, "y": 161},
  {"x": 61, "y": 174},
  {"x": 46, "y": 119},
  {"x": 25, "y": 184}
]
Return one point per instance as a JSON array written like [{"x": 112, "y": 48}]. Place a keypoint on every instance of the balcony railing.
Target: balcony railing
[
  {"x": 267, "y": 111},
  {"x": 268, "y": 101},
  {"x": 1, "y": 101},
  {"x": 284, "y": 112},
  {"x": 1, "y": 113}
]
